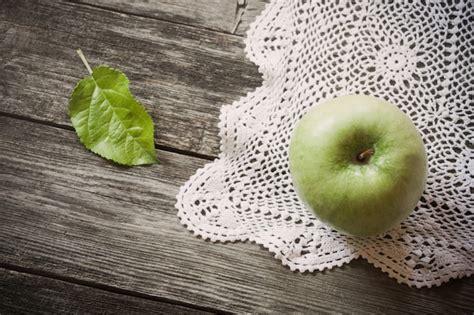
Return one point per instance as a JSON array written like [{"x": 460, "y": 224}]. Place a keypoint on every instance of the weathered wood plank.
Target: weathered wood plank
[
  {"x": 22, "y": 293},
  {"x": 68, "y": 212},
  {"x": 183, "y": 75},
  {"x": 220, "y": 15},
  {"x": 253, "y": 8}
]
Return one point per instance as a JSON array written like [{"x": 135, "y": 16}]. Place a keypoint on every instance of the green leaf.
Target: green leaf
[{"x": 108, "y": 119}]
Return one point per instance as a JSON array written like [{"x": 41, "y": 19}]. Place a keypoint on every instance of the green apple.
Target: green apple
[{"x": 359, "y": 163}]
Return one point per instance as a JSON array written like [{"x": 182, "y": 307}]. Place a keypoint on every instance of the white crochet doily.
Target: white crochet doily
[{"x": 416, "y": 54}]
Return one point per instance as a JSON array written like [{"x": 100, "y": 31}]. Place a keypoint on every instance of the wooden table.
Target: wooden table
[{"x": 79, "y": 234}]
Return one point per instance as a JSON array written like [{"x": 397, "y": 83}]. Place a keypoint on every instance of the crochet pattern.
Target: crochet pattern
[{"x": 415, "y": 54}]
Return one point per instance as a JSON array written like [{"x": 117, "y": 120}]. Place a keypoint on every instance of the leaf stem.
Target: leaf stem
[{"x": 84, "y": 60}]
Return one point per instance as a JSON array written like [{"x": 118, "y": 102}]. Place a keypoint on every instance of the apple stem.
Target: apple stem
[{"x": 365, "y": 155}]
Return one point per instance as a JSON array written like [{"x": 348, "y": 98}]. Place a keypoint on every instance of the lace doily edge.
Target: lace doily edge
[{"x": 207, "y": 236}]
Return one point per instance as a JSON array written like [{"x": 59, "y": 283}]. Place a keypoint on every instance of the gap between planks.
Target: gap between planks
[
  {"x": 119, "y": 11},
  {"x": 107, "y": 288},
  {"x": 70, "y": 128}
]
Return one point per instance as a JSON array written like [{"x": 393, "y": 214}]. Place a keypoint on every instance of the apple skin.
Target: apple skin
[{"x": 358, "y": 195}]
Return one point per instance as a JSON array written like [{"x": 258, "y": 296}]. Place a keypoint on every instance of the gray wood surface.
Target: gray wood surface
[
  {"x": 111, "y": 232},
  {"x": 22, "y": 293},
  {"x": 68, "y": 212},
  {"x": 220, "y": 15},
  {"x": 182, "y": 74}
]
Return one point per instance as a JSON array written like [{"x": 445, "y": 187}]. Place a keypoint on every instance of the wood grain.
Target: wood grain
[
  {"x": 67, "y": 212},
  {"x": 22, "y": 293},
  {"x": 182, "y": 74},
  {"x": 220, "y": 15}
]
